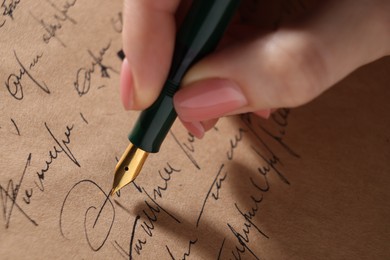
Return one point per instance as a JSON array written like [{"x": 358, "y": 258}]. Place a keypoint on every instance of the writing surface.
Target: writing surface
[{"x": 310, "y": 182}]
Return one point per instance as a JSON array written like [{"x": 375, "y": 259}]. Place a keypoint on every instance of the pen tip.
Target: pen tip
[
  {"x": 113, "y": 191},
  {"x": 128, "y": 167}
]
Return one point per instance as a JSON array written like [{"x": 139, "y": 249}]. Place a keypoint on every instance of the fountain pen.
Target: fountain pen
[{"x": 199, "y": 34}]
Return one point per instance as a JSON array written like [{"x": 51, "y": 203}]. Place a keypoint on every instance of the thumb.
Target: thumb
[{"x": 288, "y": 67}]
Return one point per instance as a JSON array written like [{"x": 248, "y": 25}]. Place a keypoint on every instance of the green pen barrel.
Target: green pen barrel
[{"x": 198, "y": 35}]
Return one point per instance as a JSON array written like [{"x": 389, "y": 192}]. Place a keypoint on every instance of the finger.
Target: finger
[
  {"x": 148, "y": 37},
  {"x": 288, "y": 67},
  {"x": 198, "y": 129},
  {"x": 195, "y": 128},
  {"x": 264, "y": 113}
]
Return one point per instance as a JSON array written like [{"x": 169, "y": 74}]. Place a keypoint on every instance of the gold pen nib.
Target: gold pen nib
[{"x": 128, "y": 167}]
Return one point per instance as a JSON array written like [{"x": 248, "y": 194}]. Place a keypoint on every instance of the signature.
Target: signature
[
  {"x": 76, "y": 212},
  {"x": 82, "y": 84},
  {"x": 280, "y": 120},
  {"x": 59, "y": 18},
  {"x": 93, "y": 221},
  {"x": 148, "y": 226},
  {"x": 10, "y": 194},
  {"x": 61, "y": 146},
  {"x": 14, "y": 81},
  {"x": 243, "y": 238},
  {"x": 157, "y": 192},
  {"x": 217, "y": 183}
]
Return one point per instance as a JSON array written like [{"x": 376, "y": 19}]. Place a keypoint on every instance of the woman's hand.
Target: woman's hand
[{"x": 255, "y": 69}]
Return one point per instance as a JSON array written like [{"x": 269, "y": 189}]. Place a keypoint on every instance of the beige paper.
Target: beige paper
[{"x": 309, "y": 183}]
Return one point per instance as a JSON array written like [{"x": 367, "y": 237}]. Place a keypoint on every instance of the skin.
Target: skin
[{"x": 259, "y": 66}]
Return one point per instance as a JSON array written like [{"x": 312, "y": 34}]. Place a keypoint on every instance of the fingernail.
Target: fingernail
[
  {"x": 265, "y": 113},
  {"x": 208, "y": 99},
  {"x": 195, "y": 128},
  {"x": 126, "y": 85}
]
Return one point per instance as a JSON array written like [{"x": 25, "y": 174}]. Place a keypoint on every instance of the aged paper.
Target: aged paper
[{"x": 309, "y": 183}]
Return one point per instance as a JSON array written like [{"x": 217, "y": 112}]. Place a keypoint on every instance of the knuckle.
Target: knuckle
[{"x": 298, "y": 68}]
